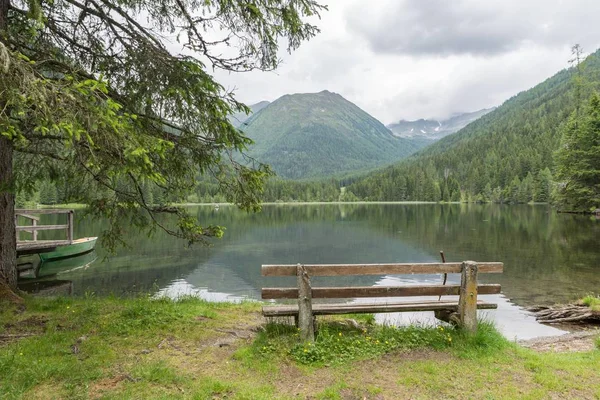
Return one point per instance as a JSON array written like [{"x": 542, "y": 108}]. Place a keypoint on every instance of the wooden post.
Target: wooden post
[
  {"x": 467, "y": 304},
  {"x": 34, "y": 231},
  {"x": 70, "y": 228},
  {"x": 305, "y": 317},
  {"x": 17, "y": 233}
]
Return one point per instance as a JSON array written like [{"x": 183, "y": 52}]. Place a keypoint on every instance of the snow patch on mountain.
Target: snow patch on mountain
[{"x": 432, "y": 129}]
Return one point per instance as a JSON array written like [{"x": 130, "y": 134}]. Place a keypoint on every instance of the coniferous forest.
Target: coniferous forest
[{"x": 510, "y": 155}]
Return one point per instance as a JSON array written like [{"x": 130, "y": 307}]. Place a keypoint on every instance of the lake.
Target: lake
[{"x": 548, "y": 257}]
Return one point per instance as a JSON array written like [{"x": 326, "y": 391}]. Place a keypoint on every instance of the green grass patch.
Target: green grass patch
[
  {"x": 593, "y": 302},
  {"x": 71, "y": 342},
  {"x": 337, "y": 343},
  {"x": 132, "y": 348}
]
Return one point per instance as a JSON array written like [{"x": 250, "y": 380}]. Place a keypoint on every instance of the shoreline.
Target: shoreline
[{"x": 309, "y": 203}]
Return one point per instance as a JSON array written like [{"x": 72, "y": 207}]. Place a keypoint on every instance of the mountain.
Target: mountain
[
  {"x": 316, "y": 135},
  {"x": 239, "y": 118},
  {"x": 432, "y": 129},
  {"x": 505, "y": 156}
]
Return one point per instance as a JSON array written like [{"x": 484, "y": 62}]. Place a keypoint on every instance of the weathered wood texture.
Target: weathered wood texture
[
  {"x": 357, "y": 308},
  {"x": 43, "y": 211},
  {"x": 463, "y": 311},
  {"x": 70, "y": 224},
  {"x": 378, "y": 269},
  {"x": 40, "y": 246},
  {"x": 31, "y": 228},
  {"x": 305, "y": 309},
  {"x": 27, "y": 216},
  {"x": 467, "y": 303},
  {"x": 565, "y": 314},
  {"x": 376, "y": 291}
]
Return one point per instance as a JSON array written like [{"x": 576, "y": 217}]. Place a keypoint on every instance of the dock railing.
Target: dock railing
[{"x": 25, "y": 245}]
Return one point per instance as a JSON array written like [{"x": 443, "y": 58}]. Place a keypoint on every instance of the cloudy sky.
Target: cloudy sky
[{"x": 409, "y": 59}]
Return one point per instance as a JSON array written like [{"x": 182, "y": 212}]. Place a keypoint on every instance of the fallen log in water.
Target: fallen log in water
[{"x": 569, "y": 313}]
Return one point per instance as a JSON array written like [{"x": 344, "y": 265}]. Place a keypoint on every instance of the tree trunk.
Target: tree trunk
[
  {"x": 4, "y": 6},
  {"x": 8, "y": 238},
  {"x": 8, "y": 235}
]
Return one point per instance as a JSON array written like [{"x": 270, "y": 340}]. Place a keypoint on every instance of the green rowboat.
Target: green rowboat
[{"x": 77, "y": 247}]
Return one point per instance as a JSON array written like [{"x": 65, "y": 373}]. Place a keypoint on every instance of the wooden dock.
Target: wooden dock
[{"x": 33, "y": 245}]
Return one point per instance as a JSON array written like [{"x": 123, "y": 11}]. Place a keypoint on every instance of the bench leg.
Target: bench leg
[
  {"x": 305, "y": 315},
  {"x": 467, "y": 303}
]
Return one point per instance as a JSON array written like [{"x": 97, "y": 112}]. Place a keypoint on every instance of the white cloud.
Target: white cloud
[{"x": 419, "y": 59}]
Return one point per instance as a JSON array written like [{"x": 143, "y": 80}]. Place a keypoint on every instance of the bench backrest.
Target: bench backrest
[{"x": 377, "y": 269}]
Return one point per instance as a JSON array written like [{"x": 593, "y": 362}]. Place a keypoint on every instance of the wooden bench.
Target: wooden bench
[{"x": 462, "y": 311}]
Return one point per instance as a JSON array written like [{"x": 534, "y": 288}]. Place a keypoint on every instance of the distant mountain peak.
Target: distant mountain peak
[
  {"x": 433, "y": 129},
  {"x": 311, "y": 135}
]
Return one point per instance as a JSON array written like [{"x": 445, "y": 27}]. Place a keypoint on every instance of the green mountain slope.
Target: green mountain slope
[
  {"x": 506, "y": 155},
  {"x": 321, "y": 134}
]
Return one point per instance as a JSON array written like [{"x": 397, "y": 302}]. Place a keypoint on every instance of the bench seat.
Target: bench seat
[
  {"x": 462, "y": 312},
  {"x": 367, "y": 308}
]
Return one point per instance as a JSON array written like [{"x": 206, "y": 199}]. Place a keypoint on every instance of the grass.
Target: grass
[
  {"x": 113, "y": 348},
  {"x": 338, "y": 344},
  {"x": 593, "y": 302}
]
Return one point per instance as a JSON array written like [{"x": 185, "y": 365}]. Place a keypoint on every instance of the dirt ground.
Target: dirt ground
[{"x": 575, "y": 341}]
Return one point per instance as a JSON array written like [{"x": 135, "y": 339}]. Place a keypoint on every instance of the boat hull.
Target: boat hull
[
  {"x": 65, "y": 265},
  {"x": 79, "y": 246}
]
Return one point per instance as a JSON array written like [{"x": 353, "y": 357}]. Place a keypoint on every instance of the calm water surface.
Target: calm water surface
[{"x": 548, "y": 257}]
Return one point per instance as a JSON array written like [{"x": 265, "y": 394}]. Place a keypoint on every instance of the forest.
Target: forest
[{"x": 506, "y": 156}]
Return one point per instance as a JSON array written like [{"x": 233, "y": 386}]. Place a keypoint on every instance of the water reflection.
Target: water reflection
[
  {"x": 549, "y": 258},
  {"x": 509, "y": 318}
]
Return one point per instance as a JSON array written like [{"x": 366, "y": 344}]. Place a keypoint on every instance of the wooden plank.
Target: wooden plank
[
  {"x": 467, "y": 303},
  {"x": 376, "y": 291},
  {"x": 43, "y": 211},
  {"x": 28, "y": 266},
  {"x": 41, "y": 228},
  {"x": 21, "y": 244},
  {"x": 70, "y": 228},
  {"x": 40, "y": 246},
  {"x": 27, "y": 216},
  {"x": 357, "y": 308},
  {"x": 305, "y": 315},
  {"x": 379, "y": 269}
]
